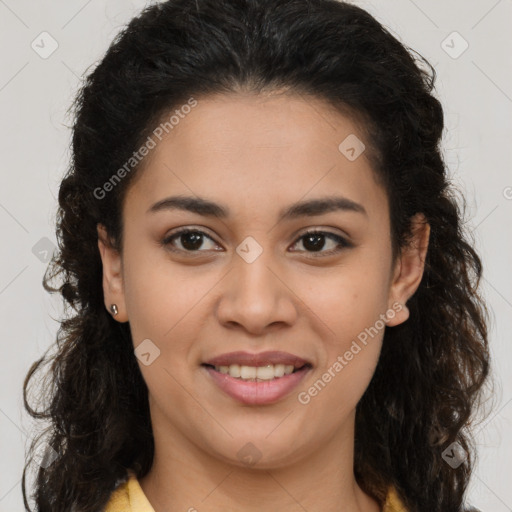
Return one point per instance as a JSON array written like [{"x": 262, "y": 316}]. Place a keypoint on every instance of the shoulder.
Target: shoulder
[
  {"x": 119, "y": 499},
  {"x": 128, "y": 497},
  {"x": 393, "y": 502}
]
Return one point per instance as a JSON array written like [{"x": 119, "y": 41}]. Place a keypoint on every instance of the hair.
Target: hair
[{"x": 430, "y": 377}]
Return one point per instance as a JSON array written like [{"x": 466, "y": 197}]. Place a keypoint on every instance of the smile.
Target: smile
[
  {"x": 256, "y": 373},
  {"x": 264, "y": 378}
]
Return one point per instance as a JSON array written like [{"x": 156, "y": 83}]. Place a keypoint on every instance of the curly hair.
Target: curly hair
[{"x": 430, "y": 377}]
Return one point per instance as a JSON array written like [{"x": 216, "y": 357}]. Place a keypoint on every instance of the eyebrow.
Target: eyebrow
[{"x": 309, "y": 208}]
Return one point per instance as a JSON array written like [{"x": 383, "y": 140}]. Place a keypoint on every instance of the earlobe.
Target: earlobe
[
  {"x": 113, "y": 287},
  {"x": 409, "y": 269}
]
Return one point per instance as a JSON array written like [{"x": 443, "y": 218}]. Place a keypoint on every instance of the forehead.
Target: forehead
[
  {"x": 243, "y": 122},
  {"x": 258, "y": 150}
]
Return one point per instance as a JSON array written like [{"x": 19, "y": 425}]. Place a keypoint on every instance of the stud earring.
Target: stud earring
[{"x": 113, "y": 309}]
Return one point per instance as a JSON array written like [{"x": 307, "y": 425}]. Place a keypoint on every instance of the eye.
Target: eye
[
  {"x": 314, "y": 241},
  {"x": 191, "y": 240}
]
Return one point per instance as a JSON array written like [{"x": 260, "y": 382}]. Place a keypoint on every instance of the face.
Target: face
[{"x": 286, "y": 267}]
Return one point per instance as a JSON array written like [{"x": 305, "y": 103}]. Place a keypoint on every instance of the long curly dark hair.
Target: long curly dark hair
[{"x": 430, "y": 378}]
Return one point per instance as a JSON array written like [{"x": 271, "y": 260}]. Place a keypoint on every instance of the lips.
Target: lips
[
  {"x": 260, "y": 359},
  {"x": 257, "y": 379}
]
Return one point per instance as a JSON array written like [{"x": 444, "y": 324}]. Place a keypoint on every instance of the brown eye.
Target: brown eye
[
  {"x": 191, "y": 240},
  {"x": 315, "y": 241}
]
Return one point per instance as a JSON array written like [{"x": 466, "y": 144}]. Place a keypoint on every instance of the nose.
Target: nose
[{"x": 256, "y": 296}]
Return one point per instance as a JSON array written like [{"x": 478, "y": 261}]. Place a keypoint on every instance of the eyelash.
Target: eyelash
[{"x": 342, "y": 242}]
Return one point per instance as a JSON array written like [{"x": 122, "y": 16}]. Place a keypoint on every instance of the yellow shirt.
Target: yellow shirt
[{"x": 129, "y": 497}]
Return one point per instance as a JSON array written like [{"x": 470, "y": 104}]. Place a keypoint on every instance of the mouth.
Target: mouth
[
  {"x": 257, "y": 379},
  {"x": 257, "y": 373}
]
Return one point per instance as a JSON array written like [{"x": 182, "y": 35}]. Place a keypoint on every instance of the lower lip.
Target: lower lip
[{"x": 257, "y": 393}]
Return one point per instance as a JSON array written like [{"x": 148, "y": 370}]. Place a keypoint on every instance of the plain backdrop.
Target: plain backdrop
[{"x": 468, "y": 42}]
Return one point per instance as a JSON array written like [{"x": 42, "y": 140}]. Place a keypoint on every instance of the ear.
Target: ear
[
  {"x": 113, "y": 286},
  {"x": 408, "y": 270}
]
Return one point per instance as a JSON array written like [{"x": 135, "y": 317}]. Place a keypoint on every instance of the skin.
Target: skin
[{"x": 257, "y": 155}]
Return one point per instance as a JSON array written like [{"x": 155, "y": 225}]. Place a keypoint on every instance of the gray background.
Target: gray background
[{"x": 475, "y": 87}]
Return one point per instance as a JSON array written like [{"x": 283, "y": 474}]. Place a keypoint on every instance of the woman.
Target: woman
[{"x": 275, "y": 304}]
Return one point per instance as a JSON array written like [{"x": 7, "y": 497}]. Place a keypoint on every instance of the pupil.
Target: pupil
[
  {"x": 314, "y": 246},
  {"x": 194, "y": 238}
]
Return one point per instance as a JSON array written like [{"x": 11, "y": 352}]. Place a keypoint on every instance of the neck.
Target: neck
[{"x": 186, "y": 478}]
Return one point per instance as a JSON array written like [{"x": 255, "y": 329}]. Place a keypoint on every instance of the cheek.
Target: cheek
[
  {"x": 157, "y": 294},
  {"x": 351, "y": 307},
  {"x": 164, "y": 304},
  {"x": 349, "y": 299},
  {"x": 333, "y": 395}
]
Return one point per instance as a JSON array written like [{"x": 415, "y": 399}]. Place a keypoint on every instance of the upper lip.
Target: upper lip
[{"x": 259, "y": 359}]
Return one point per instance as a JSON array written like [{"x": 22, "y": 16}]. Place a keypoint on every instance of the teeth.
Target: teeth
[
  {"x": 248, "y": 372},
  {"x": 269, "y": 372}
]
